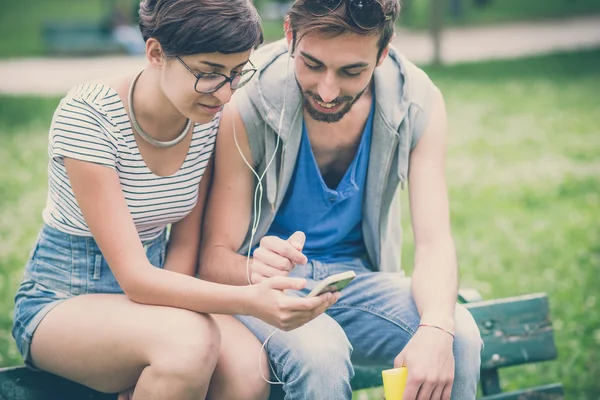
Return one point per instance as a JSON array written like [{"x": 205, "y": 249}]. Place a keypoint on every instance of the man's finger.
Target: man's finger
[
  {"x": 425, "y": 391},
  {"x": 437, "y": 392},
  {"x": 274, "y": 260},
  {"x": 412, "y": 387},
  {"x": 284, "y": 249},
  {"x": 297, "y": 239},
  {"x": 257, "y": 278},
  {"x": 447, "y": 392},
  {"x": 265, "y": 270},
  {"x": 399, "y": 361}
]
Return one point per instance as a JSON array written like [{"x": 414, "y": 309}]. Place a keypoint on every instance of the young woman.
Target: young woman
[{"x": 109, "y": 298}]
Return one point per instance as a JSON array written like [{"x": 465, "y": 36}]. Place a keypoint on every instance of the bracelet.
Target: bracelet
[{"x": 437, "y": 327}]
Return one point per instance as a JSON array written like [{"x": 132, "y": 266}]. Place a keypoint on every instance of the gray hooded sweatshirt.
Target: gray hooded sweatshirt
[{"x": 404, "y": 96}]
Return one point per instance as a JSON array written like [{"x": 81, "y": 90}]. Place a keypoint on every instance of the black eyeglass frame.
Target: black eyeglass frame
[
  {"x": 383, "y": 17},
  {"x": 228, "y": 79}
]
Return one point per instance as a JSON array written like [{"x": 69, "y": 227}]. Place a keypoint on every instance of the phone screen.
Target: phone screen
[{"x": 337, "y": 286}]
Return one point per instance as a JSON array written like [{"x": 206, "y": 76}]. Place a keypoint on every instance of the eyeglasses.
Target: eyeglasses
[
  {"x": 207, "y": 83},
  {"x": 366, "y": 14}
]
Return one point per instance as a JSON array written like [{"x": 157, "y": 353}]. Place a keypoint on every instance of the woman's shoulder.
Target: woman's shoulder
[{"x": 103, "y": 96}]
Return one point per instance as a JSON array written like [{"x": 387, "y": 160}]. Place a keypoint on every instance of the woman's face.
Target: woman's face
[{"x": 179, "y": 81}]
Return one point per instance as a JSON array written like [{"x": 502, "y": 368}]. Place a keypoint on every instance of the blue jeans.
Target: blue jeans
[
  {"x": 61, "y": 266},
  {"x": 370, "y": 325}
]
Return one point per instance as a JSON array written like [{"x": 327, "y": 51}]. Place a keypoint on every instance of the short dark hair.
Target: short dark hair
[
  {"x": 338, "y": 22},
  {"x": 185, "y": 27}
]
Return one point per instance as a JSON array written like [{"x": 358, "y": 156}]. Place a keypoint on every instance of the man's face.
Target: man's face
[{"x": 333, "y": 72}]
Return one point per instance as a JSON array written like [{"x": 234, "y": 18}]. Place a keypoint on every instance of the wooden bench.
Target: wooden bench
[{"x": 515, "y": 330}]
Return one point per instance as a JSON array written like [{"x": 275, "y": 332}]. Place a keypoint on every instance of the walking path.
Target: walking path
[{"x": 54, "y": 76}]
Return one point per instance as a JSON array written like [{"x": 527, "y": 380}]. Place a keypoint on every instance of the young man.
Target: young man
[{"x": 358, "y": 121}]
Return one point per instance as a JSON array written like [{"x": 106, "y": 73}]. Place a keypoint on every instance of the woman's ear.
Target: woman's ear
[{"x": 154, "y": 53}]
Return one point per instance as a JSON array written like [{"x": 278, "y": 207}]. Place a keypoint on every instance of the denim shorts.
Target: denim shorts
[{"x": 62, "y": 266}]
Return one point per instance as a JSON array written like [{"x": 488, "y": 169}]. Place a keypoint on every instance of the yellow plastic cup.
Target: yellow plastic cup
[{"x": 394, "y": 383}]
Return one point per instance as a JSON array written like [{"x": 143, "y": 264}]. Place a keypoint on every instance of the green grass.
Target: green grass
[
  {"x": 523, "y": 173},
  {"x": 21, "y": 22},
  {"x": 23, "y": 160}
]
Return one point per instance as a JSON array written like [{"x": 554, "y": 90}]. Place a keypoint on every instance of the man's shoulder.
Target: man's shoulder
[
  {"x": 405, "y": 90},
  {"x": 400, "y": 85},
  {"x": 415, "y": 79}
]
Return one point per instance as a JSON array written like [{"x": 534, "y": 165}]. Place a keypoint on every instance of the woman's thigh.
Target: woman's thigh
[
  {"x": 241, "y": 358},
  {"x": 105, "y": 341}
]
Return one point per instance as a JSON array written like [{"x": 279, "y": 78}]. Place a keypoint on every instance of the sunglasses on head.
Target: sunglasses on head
[{"x": 366, "y": 14}]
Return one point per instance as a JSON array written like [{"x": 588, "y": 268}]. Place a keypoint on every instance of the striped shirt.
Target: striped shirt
[{"x": 91, "y": 124}]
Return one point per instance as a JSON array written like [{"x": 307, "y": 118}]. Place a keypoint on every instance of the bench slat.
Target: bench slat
[
  {"x": 490, "y": 382},
  {"x": 515, "y": 330},
  {"x": 366, "y": 377},
  {"x": 24, "y": 384},
  {"x": 548, "y": 392}
]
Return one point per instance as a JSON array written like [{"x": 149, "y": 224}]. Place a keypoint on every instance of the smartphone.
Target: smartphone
[{"x": 333, "y": 283}]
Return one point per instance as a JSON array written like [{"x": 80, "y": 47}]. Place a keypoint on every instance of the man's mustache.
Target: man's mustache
[{"x": 335, "y": 101}]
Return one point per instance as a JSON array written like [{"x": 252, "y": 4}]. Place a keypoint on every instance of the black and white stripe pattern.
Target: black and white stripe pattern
[{"x": 91, "y": 125}]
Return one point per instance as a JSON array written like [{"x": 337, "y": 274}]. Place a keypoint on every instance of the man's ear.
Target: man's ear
[
  {"x": 154, "y": 53},
  {"x": 289, "y": 35},
  {"x": 383, "y": 55}
]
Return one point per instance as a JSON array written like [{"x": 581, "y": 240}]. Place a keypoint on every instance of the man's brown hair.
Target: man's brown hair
[{"x": 339, "y": 22}]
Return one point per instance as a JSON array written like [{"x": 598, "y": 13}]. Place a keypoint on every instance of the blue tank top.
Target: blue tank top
[{"x": 331, "y": 219}]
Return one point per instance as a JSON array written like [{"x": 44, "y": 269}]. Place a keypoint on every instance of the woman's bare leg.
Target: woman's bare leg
[
  {"x": 237, "y": 375},
  {"x": 110, "y": 343}
]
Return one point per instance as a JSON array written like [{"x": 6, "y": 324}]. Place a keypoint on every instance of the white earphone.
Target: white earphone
[{"x": 256, "y": 204}]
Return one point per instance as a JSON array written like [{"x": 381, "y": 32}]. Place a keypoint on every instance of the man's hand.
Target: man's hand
[
  {"x": 430, "y": 362},
  {"x": 277, "y": 257},
  {"x": 269, "y": 303}
]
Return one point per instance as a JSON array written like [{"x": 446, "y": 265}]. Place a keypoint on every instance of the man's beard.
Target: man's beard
[{"x": 327, "y": 117}]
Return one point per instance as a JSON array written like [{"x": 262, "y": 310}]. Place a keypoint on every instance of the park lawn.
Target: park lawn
[
  {"x": 21, "y": 22},
  {"x": 524, "y": 179}
]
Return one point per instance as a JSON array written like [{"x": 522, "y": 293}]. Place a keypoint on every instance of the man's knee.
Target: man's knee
[
  {"x": 320, "y": 354},
  {"x": 467, "y": 342},
  {"x": 312, "y": 361},
  {"x": 467, "y": 354}
]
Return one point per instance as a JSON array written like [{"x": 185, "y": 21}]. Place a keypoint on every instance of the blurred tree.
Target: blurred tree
[{"x": 436, "y": 21}]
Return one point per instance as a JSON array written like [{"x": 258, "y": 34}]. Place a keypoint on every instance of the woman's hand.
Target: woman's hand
[{"x": 270, "y": 303}]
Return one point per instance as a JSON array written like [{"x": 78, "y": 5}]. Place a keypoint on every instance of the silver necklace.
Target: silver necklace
[{"x": 140, "y": 131}]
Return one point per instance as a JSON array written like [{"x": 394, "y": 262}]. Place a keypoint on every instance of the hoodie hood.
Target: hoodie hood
[
  {"x": 272, "y": 100},
  {"x": 275, "y": 85}
]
